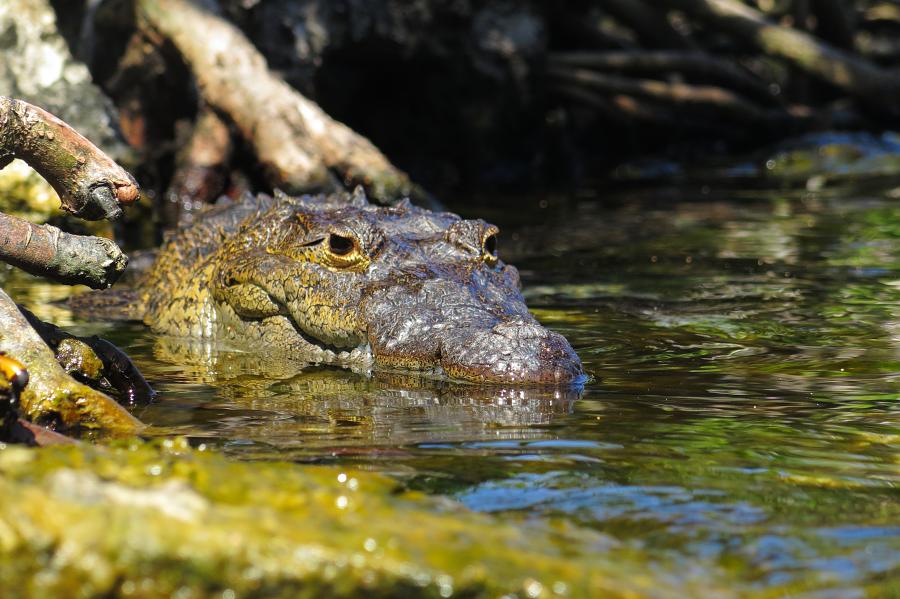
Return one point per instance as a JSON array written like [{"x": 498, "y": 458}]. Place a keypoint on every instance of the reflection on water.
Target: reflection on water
[
  {"x": 743, "y": 424},
  {"x": 299, "y": 411}
]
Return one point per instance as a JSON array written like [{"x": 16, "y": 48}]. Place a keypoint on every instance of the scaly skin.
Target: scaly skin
[{"x": 337, "y": 280}]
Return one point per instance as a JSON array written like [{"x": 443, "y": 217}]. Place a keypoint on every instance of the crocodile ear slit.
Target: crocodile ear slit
[{"x": 313, "y": 242}]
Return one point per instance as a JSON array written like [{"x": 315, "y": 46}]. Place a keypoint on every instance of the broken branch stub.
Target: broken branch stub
[
  {"x": 71, "y": 259},
  {"x": 298, "y": 144},
  {"x": 89, "y": 183}
]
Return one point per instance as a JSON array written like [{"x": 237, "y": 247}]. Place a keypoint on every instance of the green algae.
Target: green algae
[{"x": 161, "y": 520}]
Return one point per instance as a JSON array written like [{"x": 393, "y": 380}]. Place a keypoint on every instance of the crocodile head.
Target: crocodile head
[{"x": 338, "y": 280}]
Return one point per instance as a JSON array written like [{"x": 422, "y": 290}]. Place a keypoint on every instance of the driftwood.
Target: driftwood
[{"x": 300, "y": 146}]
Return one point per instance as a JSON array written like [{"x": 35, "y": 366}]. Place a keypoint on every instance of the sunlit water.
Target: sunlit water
[{"x": 743, "y": 421}]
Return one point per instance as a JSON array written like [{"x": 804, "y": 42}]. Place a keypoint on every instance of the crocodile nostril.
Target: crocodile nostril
[
  {"x": 490, "y": 244},
  {"x": 490, "y": 247}
]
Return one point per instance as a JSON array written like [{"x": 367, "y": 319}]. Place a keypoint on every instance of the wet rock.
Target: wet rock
[
  {"x": 161, "y": 521},
  {"x": 813, "y": 161}
]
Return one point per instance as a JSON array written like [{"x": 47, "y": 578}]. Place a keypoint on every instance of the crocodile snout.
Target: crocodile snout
[
  {"x": 515, "y": 351},
  {"x": 439, "y": 327}
]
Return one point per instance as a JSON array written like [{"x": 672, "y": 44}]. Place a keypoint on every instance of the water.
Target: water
[{"x": 743, "y": 421}]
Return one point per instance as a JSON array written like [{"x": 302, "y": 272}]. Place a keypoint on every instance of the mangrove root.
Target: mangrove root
[
  {"x": 848, "y": 72},
  {"x": 71, "y": 259},
  {"x": 721, "y": 100},
  {"x": 94, "y": 359},
  {"x": 697, "y": 63},
  {"x": 89, "y": 183},
  {"x": 51, "y": 395},
  {"x": 13, "y": 379},
  {"x": 298, "y": 144},
  {"x": 201, "y": 174}
]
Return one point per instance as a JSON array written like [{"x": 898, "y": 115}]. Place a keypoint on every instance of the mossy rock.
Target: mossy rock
[{"x": 145, "y": 520}]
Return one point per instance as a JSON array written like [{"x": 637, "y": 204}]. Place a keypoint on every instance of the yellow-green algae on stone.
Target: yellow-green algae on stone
[{"x": 143, "y": 520}]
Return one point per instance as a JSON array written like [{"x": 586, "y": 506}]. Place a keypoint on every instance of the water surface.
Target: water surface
[{"x": 743, "y": 421}]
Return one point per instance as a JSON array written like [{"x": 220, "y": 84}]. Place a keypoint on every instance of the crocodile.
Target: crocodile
[{"x": 335, "y": 279}]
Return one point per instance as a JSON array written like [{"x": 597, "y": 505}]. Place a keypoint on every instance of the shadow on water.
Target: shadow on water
[{"x": 743, "y": 423}]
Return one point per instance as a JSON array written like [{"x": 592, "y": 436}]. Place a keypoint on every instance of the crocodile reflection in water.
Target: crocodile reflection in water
[
  {"x": 276, "y": 402},
  {"x": 336, "y": 280}
]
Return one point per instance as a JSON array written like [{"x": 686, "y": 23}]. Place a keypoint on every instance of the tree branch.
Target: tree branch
[
  {"x": 693, "y": 62},
  {"x": 71, "y": 259},
  {"x": 845, "y": 71},
  {"x": 90, "y": 184}
]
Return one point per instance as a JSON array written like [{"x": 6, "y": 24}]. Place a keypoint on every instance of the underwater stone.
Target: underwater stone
[{"x": 161, "y": 520}]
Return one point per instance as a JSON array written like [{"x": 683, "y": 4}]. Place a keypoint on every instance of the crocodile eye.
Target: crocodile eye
[
  {"x": 340, "y": 245},
  {"x": 344, "y": 250}
]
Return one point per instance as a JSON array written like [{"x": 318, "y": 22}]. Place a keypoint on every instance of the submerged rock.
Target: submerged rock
[
  {"x": 814, "y": 161},
  {"x": 161, "y": 521}
]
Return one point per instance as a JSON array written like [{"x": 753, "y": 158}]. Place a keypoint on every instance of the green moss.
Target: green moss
[
  {"x": 25, "y": 193},
  {"x": 158, "y": 521}
]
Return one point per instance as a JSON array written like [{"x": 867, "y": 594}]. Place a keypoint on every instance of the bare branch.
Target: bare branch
[
  {"x": 694, "y": 62},
  {"x": 845, "y": 71},
  {"x": 72, "y": 259},
  {"x": 90, "y": 184}
]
